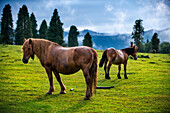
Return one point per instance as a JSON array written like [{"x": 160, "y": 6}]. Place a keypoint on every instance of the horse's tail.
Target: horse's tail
[
  {"x": 104, "y": 57},
  {"x": 93, "y": 72}
]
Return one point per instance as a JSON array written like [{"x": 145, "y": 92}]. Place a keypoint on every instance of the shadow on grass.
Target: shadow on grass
[
  {"x": 22, "y": 106},
  {"x": 166, "y": 61},
  {"x": 76, "y": 107},
  {"x": 114, "y": 81},
  {"x": 46, "y": 97},
  {"x": 152, "y": 62},
  {"x": 132, "y": 73}
]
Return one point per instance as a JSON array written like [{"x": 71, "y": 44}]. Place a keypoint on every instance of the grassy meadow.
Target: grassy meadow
[{"x": 23, "y": 86}]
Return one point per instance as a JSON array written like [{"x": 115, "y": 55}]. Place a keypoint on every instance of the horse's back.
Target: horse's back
[
  {"x": 111, "y": 53},
  {"x": 116, "y": 56}
]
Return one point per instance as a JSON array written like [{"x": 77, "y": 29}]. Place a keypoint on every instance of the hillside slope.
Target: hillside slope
[{"x": 102, "y": 41}]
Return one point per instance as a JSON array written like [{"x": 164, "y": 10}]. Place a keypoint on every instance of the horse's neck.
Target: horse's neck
[
  {"x": 128, "y": 51},
  {"x": 40, "y": 49}
]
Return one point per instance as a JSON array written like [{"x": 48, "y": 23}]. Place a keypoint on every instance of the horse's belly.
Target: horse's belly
[
  {"x": 67, "y": 72},
  {"x": 68, "y": 69},
  {"x": 118, "y": 61}
]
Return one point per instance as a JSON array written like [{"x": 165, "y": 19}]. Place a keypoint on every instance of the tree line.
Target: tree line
[
  {"x": 27, "y": 28},
  {"x": 149, "y": 46}
]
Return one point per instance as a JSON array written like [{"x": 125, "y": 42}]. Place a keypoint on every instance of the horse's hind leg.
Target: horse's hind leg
[
  {"x": 60, "y": 82},
  {"x": 119, "y": 68},
  {"x": 125, "y": 75},
  {"x": 107, "y": 70},
  {"x": 50, "y": 77},
  {"x": 88, "y": 83}
]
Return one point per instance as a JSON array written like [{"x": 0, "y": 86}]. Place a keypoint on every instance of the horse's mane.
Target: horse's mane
[
  {"x": 40, "y": 47},
  {"x": 43, "y": 42}
]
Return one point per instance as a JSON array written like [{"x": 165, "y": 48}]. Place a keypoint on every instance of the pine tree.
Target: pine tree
[
  {"x": 55, "y": 31},
  {"x": 43, "y": 30},
  {"x": 137, "y": 34},
  {"x": 155, "y": 42},
  {"x": 72, "y": 36},
  {"x": 26, "y": 22},
  {"x": 87, "y": 41},
  {"x": 19, "y": 32},
  {"x": 23, "y": 29},
  {"x": 7, "y": 26},
  {"x": 34, "y": 25}
]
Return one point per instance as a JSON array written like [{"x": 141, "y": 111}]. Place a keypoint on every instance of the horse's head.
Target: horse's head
[
  {"x": 134, "y": 53},
  {"x": 27, "y": 50}
]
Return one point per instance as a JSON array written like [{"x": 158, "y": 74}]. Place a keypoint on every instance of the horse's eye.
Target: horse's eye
[{"x": 28, "y": 49}]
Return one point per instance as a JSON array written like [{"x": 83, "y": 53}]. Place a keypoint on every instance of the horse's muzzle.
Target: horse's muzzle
[
  {"x": 135, "y": 58},
  {"x": 25, "y": 61}
]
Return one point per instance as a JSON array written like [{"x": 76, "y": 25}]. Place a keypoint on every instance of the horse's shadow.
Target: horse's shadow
[
  {"x": 45, "y": 97},
  {"x": 115, "y": 81},
  {"x": 76, "y": 107}
]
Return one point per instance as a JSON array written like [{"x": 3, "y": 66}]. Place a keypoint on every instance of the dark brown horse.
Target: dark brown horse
[
  {"x": 117, "y": 57},
  {"x": 57, "y": 59}
]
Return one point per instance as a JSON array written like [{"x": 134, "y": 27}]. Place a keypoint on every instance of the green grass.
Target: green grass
[{"x": 23, "y": 86}]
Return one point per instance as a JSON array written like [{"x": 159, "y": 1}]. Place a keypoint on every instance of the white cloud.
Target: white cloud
[
  {"x": 109, "y": 7},
  {"x": 54, "y": 3},
  {"x": 117, "y": 23},
  {"x": 111, "y": 28},
  {"x": 155, "y": 15},
  {"x": 119, "y": 16}
]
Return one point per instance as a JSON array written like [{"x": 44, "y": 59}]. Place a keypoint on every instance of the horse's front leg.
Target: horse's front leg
[
  {"x": 125, "y": 64},
  {"x": 88, "y": 83},
  {"x": 119, "y": 68},
  {"x": 50, "y": 77},
  {"x": 107, "y": 70},
  {"x": 60, "y": 82}
]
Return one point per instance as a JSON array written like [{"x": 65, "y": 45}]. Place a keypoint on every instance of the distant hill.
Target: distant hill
[
  {"x": 102, "y": 41},
  {"x": 163, "y": 35}
]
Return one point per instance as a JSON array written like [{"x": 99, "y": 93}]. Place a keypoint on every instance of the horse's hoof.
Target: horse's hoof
[
  {"x": 49, "y": 93},
  {"x": 62, "y": 92},
  {"x": 86, "y": 98},
  {"x": 107, "y": 77},
  {"x": 126, "y": 77},
  {"x": 119, "y": 77}
]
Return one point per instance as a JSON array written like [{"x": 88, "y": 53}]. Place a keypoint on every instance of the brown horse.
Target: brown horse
[
  {"x": 117, "y": 57},
  {"x": 57, "y": 59}
]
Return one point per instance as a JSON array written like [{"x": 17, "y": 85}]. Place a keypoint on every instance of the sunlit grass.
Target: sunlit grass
[{"x": 23, "y": 86}]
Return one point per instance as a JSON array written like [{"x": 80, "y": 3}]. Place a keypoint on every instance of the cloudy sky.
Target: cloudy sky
[{"x": 107, "y": 16}]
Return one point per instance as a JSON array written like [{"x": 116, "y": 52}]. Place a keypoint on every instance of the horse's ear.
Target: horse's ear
[
  {"x": 131, "y": 44},
  {"x": 133, "y": 48},
  {"x": 30, "y": 41},
  {"x": 25, "y": 39}
]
